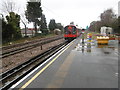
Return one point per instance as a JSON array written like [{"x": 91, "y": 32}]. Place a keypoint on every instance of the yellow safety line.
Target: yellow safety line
[{"x": 33, "y": 78}]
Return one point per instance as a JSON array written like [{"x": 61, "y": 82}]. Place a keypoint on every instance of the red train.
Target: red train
[{"x": 71, "y": 32}]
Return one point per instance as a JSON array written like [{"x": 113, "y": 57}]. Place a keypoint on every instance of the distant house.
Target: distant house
[
  {"x": 30, "y": 32},
  {"x": 106, "y": 30},
  {"x": 57, "y": 31}
]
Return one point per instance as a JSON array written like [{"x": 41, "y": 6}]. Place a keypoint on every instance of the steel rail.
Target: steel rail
[
  {"x": 12, "y": 52},
  {"x": 17, "y": 69},
  {"x": 29, "y": 42}
]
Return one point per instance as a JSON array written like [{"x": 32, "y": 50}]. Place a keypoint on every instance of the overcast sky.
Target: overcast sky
[{"x": 81, "y": 12}]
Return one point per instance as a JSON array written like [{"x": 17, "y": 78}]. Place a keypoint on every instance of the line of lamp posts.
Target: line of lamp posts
[{"x": 89, "y": 40}]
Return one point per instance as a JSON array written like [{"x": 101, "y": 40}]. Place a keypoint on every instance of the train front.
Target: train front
[{"x": 70, "y": 32}]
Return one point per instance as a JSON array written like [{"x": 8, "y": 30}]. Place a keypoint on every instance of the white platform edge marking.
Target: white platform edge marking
[{"x": 38, "y": 67}]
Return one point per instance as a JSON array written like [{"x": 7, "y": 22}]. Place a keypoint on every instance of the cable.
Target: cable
[
  {"x": 55, "y": 14},
  {"x": 48, "y": 9}
]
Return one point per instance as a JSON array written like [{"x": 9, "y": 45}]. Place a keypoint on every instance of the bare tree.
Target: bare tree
[
  {"x": 107, "y": 17},
  {"x": 25, "y": 22},
  {"x": 9, "y": 6}
]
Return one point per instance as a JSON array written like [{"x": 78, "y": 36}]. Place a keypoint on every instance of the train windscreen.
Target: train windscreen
[{"x": 70, "y": 30}]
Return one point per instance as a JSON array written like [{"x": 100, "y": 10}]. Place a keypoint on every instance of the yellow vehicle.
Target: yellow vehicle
[{"x": 102, "y": 39}]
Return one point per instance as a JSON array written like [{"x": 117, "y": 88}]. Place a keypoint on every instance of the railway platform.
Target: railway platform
[{"x": 78, "y": 65}]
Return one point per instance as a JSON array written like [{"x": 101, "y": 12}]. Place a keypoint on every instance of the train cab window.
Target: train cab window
[
  {"x": 74, "y": 30},
  {"x": 70, "y": 30},
  {"x": 65, "y": 30}
]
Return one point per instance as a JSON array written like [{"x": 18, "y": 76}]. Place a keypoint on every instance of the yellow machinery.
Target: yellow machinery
[{"x": 102, "y": 39}]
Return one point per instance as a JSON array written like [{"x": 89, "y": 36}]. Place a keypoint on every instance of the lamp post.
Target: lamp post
[
  {"x": 1, "y": 15},
  {"x": 119, "y": 8},
  {"x": 1, "y": 30}
]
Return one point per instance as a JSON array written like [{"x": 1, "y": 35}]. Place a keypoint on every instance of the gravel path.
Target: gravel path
[{"x": 14, "y": 60}]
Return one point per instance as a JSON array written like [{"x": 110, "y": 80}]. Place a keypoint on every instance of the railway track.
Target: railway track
[
  {"x": 26, "y": 43},
  {"x": 12, "y": 76},
  {"x": 28, "y": 47}
]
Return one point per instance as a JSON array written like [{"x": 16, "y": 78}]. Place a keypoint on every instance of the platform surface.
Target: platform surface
[{"x": 79, "y": 66}]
